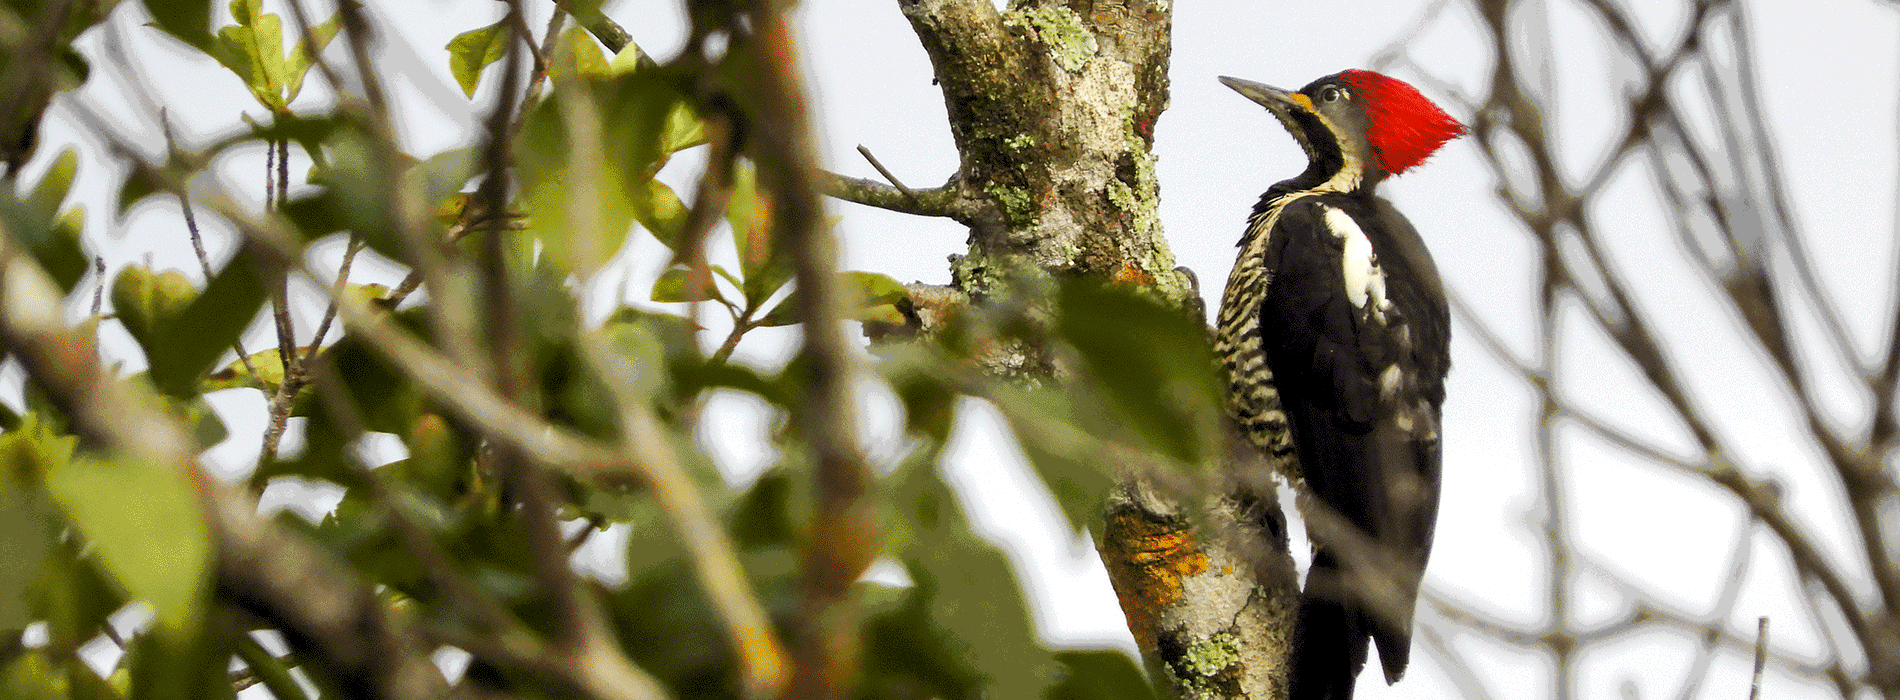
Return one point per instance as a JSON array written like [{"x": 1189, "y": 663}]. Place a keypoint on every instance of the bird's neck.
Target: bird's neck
[{"x": 1337, "y": 171}]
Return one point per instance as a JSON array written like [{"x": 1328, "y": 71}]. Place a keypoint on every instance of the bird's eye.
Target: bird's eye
[{"x": 1331, "y": 94}]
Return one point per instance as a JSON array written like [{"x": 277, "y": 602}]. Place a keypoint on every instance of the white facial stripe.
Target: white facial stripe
[
  {"x": 1299, "y": 133},
  {"x": 1358, "y": 264}
]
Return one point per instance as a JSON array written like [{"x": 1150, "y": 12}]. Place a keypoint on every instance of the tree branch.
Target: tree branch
[
  {"x": 322, "y": 608},
  {"x": 943, "y": 201}
]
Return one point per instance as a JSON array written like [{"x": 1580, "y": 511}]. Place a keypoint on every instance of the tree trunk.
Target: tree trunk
[{"x": 1052, "y": 107}]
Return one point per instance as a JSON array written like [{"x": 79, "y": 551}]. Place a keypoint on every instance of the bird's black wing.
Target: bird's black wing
[{"x": 1354, "y": 336}]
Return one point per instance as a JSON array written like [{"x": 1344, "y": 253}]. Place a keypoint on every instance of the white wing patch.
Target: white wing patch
[{"x": 1358, "y": 265}]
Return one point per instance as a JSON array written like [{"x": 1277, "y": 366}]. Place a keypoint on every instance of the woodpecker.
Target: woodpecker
[{"x": 1335, "y": 336}]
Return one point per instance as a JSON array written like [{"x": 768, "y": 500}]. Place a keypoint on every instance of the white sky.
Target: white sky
[{"x": 1829, "y": 70}]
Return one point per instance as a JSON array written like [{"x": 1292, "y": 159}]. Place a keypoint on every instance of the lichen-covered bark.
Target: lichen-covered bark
[
  {"x": 1052, "y": 107},
  {"x": 1211, "y": 606}
]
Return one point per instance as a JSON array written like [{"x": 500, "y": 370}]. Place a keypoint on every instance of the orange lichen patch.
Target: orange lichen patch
[
  {"x": 1146, "y": 561},
  {"x": 1127, "y": 273}
]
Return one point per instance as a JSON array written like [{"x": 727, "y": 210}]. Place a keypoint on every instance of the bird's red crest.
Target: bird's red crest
[{"x": 1404, "y": 126}]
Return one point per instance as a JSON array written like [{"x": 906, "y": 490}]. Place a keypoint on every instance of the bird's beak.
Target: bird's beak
[{"x": 1282, "y": 103}]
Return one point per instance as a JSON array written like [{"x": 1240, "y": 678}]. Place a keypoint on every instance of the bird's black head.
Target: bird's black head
[{"x": 1357, "y": 127}]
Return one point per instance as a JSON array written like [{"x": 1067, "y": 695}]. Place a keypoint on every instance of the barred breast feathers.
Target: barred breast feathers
[{"x": 1252, "y": 400}]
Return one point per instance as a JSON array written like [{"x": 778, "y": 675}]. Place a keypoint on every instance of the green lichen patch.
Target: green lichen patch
[
  {"x": 1018, "y": 207},
  {"x": 1209, "y": 668},
  {"x": 1059, "y": 28}
]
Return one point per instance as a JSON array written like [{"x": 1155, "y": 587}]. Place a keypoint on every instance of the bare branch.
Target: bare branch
[
  {"x": 938, "y": 201},
  {"x": 843, "y": 541}
]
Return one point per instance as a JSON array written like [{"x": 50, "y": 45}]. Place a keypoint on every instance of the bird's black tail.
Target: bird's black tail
[{"x": 1330, "y": 640}]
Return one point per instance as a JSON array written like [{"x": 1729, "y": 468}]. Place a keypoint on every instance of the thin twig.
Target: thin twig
[
  {"x": 99, "y": 289},
  {"x": 197, "y": 242},
  {"x": 541, "y": 64},
  {"x": 580, "y": 539},
  {"x": 1761, "y": 657},
  {"x": 1731, "y": 580},
  {"x": 881, "y": 170},
  {"x": 341, "y": 286},
  {"x": 741, "y": 324},
  {"x": 1459, "y": 670},
  {"x": 609, "y": 33}
]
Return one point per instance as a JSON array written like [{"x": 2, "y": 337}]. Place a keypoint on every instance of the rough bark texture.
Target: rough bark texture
[
  {"x": 1212, "y": 606},
  {"x": 1052, "y": 106}
]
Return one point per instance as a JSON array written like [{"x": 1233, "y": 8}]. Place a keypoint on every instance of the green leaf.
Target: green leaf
[
  {"x": 578, "y": 195},
  {"x": 51, "y": 190},
  {"x": 316, "y": 216},
  {"x": 204, "y": 425},
  {"x": 929, "y": 404},
  {"x": 52, "y": 239},
  {"x": 728, "y": 276},
  {"x": 441, "y": 177},
  {"x": 659, "y": 211},
  {"x": 270, "y": 374},
  {"x": 29, "y": 531},
  {"x": 356, "y": 178},
  {"x": 268, "y": 35},
  {"x": 769, "y": 513},
  {"x": 244, "y": 12},
  {"x": 473, "y": 50},
  {"x": 1151, "y": 362},
  {"x": 272, "y": 672},
  {"x": 30, "y": 676},
  {"x": 965, "y": 631},
  {"x": 145, "y": 524},
  {"x": 388, "y": 400},
  {"x": 309, "y": 132},
  {"x": 576, "y": 55},
  {"x": 84, "y": 684},
  {"x": 190, "y": 343},
  {"x": 187, "y": 20},
  {"x": 684, "y": 129},
  {"x": 692, "y": 378},
  {"x": 135, "y": 190},
  {"x": 873, "y": 297},
  {"x": 75, "y": 596},
  {"x": 675, "y": 285},
  {"x": 254, "y": 50},
  {"x": 440, "y": 451},
  {"x": 750, "y": 215},
  {"x": 868, "y": 288},
  {"x": 1064, "y": 440},
  {"x": 61, "y": 254},
  {"x": 785, "y": 314},
  {"x": 181, "y": 667},
  {"x": 144, "y": 301},
  {"x": 1100, "y": 674},
  {"x": 302, "y": 58},
  {"x": 627, "y": 61}
]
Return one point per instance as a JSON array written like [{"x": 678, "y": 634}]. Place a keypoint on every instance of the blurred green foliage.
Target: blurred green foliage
[{"x": 84, "y": 532}]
